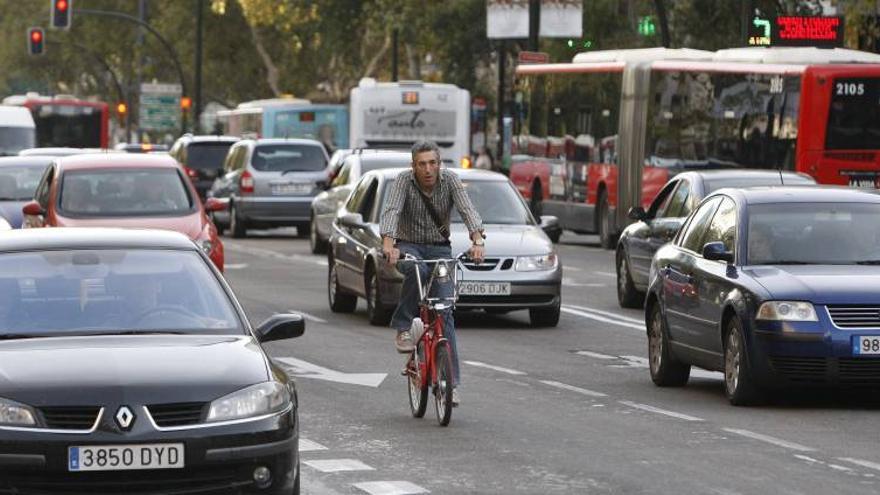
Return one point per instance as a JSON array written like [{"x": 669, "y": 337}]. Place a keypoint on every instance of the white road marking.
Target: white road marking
[
  {"x": 673, "y": 414},
  {"x": 337, "y": 465},
  {"x": 496, "y": 368},
  {"x": 606, "y": 274},
  {"x": 306, "y": 445},
  {"x": 608, "y": 314},
  {"x": 772, "y": 440},
  {"x": 306, "y": 369},
  {"x": 572, "y": 388},
  {"x": 307, "y": 316},
  {"x": 859, "y": 462},
  {"x": 603, "y": 319},
  {"x": 268, "y": 253},
  {"x": 640, "y": 362},
  {"x": 390, "y": 488},
  {"x": 570, "y": 282},
  {"x": 573, "y": 268},
  {"x": 596, "y": 355},
  {"x": 235, "y": 266}
]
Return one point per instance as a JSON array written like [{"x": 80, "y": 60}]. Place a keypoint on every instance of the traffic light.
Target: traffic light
[
  {"x": 579, "y": 44},
  {"x": 646, "y": 26},
  {"x": 121, "y": 110},
  {"x": 61, "y": 13},
  {"x": 36, "y": 40},
  {"x": 185, "y": 103}
]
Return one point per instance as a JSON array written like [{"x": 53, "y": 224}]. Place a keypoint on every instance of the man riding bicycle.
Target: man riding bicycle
[{"x": 415, "y": 221}]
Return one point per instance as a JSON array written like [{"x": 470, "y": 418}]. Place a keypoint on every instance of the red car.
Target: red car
[{"x": 124, "y": 190}]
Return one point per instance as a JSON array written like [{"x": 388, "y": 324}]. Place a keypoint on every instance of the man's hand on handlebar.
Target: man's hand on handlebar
[{"x": 476, "y": 253}]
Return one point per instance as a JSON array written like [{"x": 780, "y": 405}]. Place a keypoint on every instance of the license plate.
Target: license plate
[
  {"x": 866, "y": 345},
  {"x": 484, "y": 288},
  {"x": 125, "y": 457},
  {"x": 291, "y": 188}
]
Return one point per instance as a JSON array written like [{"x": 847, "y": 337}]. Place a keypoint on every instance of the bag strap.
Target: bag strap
[{"x": 444, "y": 231}]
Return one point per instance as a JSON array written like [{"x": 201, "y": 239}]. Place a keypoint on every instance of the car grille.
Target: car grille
[
  {"x": 487, "y": 265},
  {"x": 801, "y": 369},
  {"x": 178, "y": 414},
  {"x": 855, "y": 316},
  {"x": 859, "y": 371},
  {"x": 819, "y": 370},
  {"x": 70, "y": 417}
]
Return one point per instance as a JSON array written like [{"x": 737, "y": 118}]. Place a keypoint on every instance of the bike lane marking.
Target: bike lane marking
[
  {"x": 657, "y": 410},
  {"x": 306, "y": 445},
  {"x": 771, "y": 440},
  {"x": 390, "y": 488},
  {"x": 603, "y": 319},
  {"x": 338, "y": 465},
  {"x": 609, "y": 314},
  {"x": 509, "y": 371},
  {"x": 572, "y": 388}
]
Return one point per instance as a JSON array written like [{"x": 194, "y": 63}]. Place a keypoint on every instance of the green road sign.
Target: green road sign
[{"x": 160, "y": 107}]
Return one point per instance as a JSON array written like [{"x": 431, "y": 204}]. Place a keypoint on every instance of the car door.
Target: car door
[
  {"x": 712, "y": 279},
  {"x": 365, "y": 236},
  {"x": 680, "y": 296},
  {"x": 639, "y": 243},
  {"x": 347, "y": 253}
]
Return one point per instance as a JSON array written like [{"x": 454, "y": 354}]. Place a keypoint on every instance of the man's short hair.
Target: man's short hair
[{"x": 423, "y": 146}]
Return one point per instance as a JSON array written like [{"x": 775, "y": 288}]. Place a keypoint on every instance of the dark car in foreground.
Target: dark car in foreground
[
  {"x": 19, "y": 176},
  {"x": 521, "y": 269},
  {"x": 128, "y": 366},
  {"x": 776, "y": 287},
  {"x": 655, "y": 227}
]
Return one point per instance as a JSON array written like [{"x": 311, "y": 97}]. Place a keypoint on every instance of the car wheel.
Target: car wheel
[
  {"x": 627, "y": 295},
  {"x": 666, "y": 370},
  {"x": 604, "y": 221},
  {"x": 544, "y": 317},
  {"x": 237, "y": 226},
  {"x": 378, "y": 314},
  {"x": 340, "y": 301},
  {"x": 739, "y": 385},
  {"x": 536, "y": 199},
  {"x": 318, "y": 245}
]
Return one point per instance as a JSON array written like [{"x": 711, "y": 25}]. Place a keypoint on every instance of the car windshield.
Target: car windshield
[
  {"x": 206, "y": 156},
  {"x": 814, "y": 233},
  {"x": 496, "y": 202},
  {"x": 125, "y": 192},
  {"x": 289, "y": 158},
  {"x": 18, "y": 183},
  {"x": 78, "y": 292}
]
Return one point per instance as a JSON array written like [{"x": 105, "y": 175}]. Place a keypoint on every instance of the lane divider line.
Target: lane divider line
[
  {"x": 337, "y": 465},
  {"x": 509, "y": 371},
  {"x": 665, "y": 412},
  {"x": 596, "y": 355},
  {"x": 572, "y": 388},
  {"x": 390, "y": 488},
  {"x": 771, "y": 440},
  {"x": 860, "y": 462},
  {"x": 603, "y": 319},
  {"x": 606, "y": 274},
  {"x": 609, "y": 314}
]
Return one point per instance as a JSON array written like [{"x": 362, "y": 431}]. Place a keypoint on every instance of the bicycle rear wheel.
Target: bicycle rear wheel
[
  {"x": 443, "y": 387},
  {"x": 417, "y": 382}
]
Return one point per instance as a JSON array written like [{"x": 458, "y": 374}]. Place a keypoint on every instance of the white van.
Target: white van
[{"x": 17, "y": 129}]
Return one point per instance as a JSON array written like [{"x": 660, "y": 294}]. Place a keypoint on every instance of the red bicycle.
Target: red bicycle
[{"x": 429, "y": 366}]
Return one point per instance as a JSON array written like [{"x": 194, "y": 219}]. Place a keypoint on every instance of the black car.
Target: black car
[
  {"x": 128, "y": 366},
  {"x": 202, "y": 158},
  {"x": 776, "y": 287},
  {"x": 655, "y": 227}
]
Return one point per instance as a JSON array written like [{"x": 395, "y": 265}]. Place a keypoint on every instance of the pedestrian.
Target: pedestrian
[{"x": 484, "y": 159}]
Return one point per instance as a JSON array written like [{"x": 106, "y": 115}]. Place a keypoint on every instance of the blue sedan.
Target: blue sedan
[
  {"x": 776, "y": 287},
  {"x": 19, "y": 176}
]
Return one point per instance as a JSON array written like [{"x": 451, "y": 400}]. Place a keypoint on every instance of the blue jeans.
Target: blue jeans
[{"x": 408, "y": 306}]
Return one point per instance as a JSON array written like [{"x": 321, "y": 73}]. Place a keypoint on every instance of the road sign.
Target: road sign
[
  {"x": 533, "y": 57},
  {"x": 160, "y": 107}
]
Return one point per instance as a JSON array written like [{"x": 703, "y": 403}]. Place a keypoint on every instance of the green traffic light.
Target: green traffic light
[{"x": 571, "y": 43}]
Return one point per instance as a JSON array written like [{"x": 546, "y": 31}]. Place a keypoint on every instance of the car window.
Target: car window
[
  {"x": 18, "y": 183},
  {"x": 357, "y": 196},
  {"x": 723, "y": 226},
  {"x": 288, "y": 157},
  {"x": 89, "y": 291},
  {"x": 677, "y": 206},
  {"x": 696, "y": 227},
  {"x": 344, "y": 175},
  {"x": 124, "y": 192},
  {"x": 42, "y": 193},
  {"x": 206, "y": 156},
  {"x": 662, "y": 200},
  {"x": 369, "y": 200}
]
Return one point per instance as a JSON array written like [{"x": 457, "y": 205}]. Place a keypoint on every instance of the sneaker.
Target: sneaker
[
  {"x": 455, "y": 398},
  {"x": 404, "y": 342}
]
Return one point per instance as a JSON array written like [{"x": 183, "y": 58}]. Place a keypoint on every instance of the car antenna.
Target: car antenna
[{"x": 781, "y": 181}]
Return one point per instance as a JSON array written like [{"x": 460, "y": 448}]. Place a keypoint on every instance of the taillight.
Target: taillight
[
  {"x": 191, "y": 173},
  {"x": 246, "y": 183}
]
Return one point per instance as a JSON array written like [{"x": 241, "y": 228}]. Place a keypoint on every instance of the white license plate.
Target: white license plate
[
  {"x": 125, "y": 457},
  {"x": 484, "y": 288},
  {"x": 290, "y": 188},
  {"x": 866, "y": 345}
]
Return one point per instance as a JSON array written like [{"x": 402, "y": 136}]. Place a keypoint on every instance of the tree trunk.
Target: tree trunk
[
  {"x": 272, "y": 74},
  {"x": 371, "y": 65},
  {"x": 664, "y": 22},
  {"x": 414, "y": 65}
]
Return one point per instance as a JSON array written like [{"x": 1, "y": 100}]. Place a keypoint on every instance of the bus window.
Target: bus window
[{"x": 854, "y": 115}]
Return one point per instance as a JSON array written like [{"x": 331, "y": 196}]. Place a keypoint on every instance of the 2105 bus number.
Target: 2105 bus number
[{"x": 849, "y": 89}]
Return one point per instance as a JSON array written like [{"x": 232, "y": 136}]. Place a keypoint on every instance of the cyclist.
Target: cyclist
[{"x": 415, "y": 221}]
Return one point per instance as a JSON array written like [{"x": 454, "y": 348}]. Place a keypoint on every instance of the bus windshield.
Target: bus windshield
[
  {"x": 68, "y": 126},
  {"x": 854, "y": 115}
]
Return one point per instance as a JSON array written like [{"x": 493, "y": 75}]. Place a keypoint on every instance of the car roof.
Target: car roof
[
  {"x": 468, "y": 174},
  {"x": 721, "y": 174},
  {"x": 381, "y": 156},
  {"x": 62, "y": 151},
  {"x": 116, "y": 160},
  {"x": 92, "y": 238},
  {"x": 18, "y": 161},
  {"x": 210, "y": 138},
  {"x": 801, "y": 194},
  {"x": 287, "y": 141}
]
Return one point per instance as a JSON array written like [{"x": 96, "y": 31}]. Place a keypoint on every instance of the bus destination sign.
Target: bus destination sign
[{"x": 819, "y": 31}]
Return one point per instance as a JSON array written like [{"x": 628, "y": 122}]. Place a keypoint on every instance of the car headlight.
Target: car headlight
[
  {"x": 536, "y": 263},
  {"x": 256, "y": 400},
  {"x": 13, "y": 413},
  {"x": 787, "y": 311}
]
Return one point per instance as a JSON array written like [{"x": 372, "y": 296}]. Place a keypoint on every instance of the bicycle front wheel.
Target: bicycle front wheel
[
  {"x": 417, "y": 382},
  {"x": 445, "y": 380}
]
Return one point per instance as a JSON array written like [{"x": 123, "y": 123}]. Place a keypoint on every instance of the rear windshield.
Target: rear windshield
[
  {"x": 18, "y": 183},
  {"x": 15, "y": 139},
  {"x": 854, "y": 116},
  {"x": 289, "y": 158},
  {"x": 389, "y": 162},
  {"x": 124, "y": 192},
  {"x": 770, "y": 180},
  {"x": 206, "y": 156}
]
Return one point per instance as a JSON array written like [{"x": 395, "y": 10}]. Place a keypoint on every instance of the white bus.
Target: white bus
[{"x": 395, "y": 115}]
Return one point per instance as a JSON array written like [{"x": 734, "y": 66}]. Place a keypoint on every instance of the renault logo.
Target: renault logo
[{"x": 124, "y": 418}]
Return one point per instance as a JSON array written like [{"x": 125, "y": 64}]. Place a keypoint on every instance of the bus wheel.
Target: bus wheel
[
  {"x": 606, "y": 240},
  {"x": 535, "y": 200}
]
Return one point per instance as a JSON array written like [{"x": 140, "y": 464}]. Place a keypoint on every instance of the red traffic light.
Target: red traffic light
[
  {"x": 61, "y": 13},
  {"x": 61, "y": 5},
  {"x": 36, "y": 36},
  {"x": 35, "y": 39}
]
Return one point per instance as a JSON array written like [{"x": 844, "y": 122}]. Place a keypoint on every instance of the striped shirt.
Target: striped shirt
[{"x": 406, "y": 217}]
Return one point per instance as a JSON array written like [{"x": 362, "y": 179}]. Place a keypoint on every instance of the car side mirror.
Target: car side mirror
[
  {"x": 637, "y": 213},
  {"x": 352, "y": 220},
  {"x": 280, "y": 327},
  {"x": 216, "y": 204},
  {"x": 33, "y": 208},
  {"x": 716, "y": 251}
]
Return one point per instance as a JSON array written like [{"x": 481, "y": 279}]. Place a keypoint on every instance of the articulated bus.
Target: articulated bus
[
  {"x": 66, "y": 121},
  {"x": 288, "y": 118},
  {"x": 604, "y": 133},
  {"x": 395, "y": 115}
]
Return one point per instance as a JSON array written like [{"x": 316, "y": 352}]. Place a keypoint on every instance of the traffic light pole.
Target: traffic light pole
[
  {"x": 197, "y": 104},
  {"x": 174, "y": 58}
]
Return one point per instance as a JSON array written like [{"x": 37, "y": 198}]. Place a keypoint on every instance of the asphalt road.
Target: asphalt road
[{"x": 564, "y": 410}]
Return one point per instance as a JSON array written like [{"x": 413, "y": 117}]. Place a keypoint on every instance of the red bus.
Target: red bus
[
  {"x": 594, "y": 137},
  {"x": 66, "y": 121}
]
